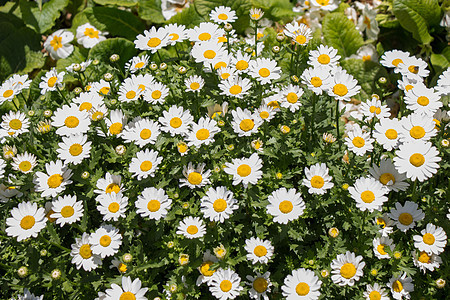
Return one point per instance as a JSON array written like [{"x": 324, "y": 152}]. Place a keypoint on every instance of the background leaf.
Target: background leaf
[
  {"x": 41, "y": 20},
  {"x": 103, "y": 50},
  {"x": 126, "y": 3},
  {"x": 150, "y": 10}
]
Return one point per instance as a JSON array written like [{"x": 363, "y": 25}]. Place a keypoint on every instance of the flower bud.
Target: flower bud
[
  {"x": 275, "y": 49},
  {"x": 163, "y": 66},
  {"x": 114, "y": 58},
  {"x": 108, "y": 77},
  {"x": 182, "y": 70},
  {"x": 228, "y": 27}
]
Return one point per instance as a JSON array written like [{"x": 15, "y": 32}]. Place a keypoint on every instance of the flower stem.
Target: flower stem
[
  {"x": 313, "y": 116},
  {"x": 338, "y": 136}
]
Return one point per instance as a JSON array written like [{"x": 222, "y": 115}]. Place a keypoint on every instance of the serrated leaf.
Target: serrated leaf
[
  {"x": 115, "y": 21},
  {"x": 126, "y": 3},
  {"x": 150, "y": 10},
  {"x": 340, "y": 33},
  {"x": 43, "y": 19}
]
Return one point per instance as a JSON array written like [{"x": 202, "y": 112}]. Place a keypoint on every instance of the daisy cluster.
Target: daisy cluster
[{"x": 222, "y": 172}]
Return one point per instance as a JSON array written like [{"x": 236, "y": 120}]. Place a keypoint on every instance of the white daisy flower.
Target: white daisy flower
[
  {"x": 265, "y": 113},
  {"x": 115, "y": 123},
  {"x": 443, "y": 85},
  {"x": 317, "y": 179},
  {"x": 205, "y": 268},
  {"x": 156, "y": 93},
  {"x": 177, "y": 33},
  {"x": 422, "y": 100},
  {"x": 316, "y": 79},
  {"x": 54, "y": 181},
  {"x": 111, "y": 183},
  {"x": 19, "y": 82},
  {"x": 74, "y": 149},
  {"x": 82, "y": 255},
  {"x": 153, "y": 203},
  {"x": 389, "y": 176},
  {"x": 235, "y": 87},
  {"x": 194, "y": 83},
  {"x": 264, "y": 70},
  {"x": 70, "y": 120},
  {"x": 301, "y": 284},
  {"x": 130, "y": 290},
  {"x": 152, "y": 40},
  {"x": 191, "y": 227},
  {"x": 223, "y": 15},
  {"x": 432, "y": 239},
  {"x": 426, "y": 261},
  {"x": 245, "y": 170},
  {"x": 401, "y": 286},
  {"x": 260, "y": 285},
  {"x": 195, "y": 176},
  {"x": 368, "y": 193},
  {"x": 27, "y": 221},
  {"x": 343, "y": 86},
  {"x": 27, "y": 295},
  {"x": 204, "y": 32},
  {"x": 24, "y": 163},
  {"x": 414, "y": 68},
  {"x": 366, "y": 53},
  {"x": 408, "y": 85},
  {"x": 406, "y": 216},
  {"x": 226, "y": 72},
  {"x": 7, "y": 91},
  {"x": 103, "y": 88},
  {"x": 67, "y": 210},
  {"x": 285, "y": 205},
  {"x": 51, "y": 81},
  {"x": 241, "y": 62},
  {"x": 419, "y": 160},
  {"x": 347, "y": 269},
  {"x": 144, "y": 164},
  {"x": 244, "y": 122},
  {"x": 176, "y": 120},
  {"x": 207, "y": 52},
  {"x": 112, "y": 206},
  {"x": 373, "y": 108},
  {"x": 327, "y": 5},
  {"x": 392, "y": 59},
  {"x": 324, "y": 57},
  {"x": 142, "y": 133},
  {"x": 15, "y": 123},
  {"x": 218, "y": 204},
  {"x": 359, "y": 142},
  {"x": 379, "y": 247},
  {"x": 137, "y": 63},
  {"x": 258, "y": 251},
  {"x": 130, "y": 90},
  {"x": 299, "y": 32},
  {"x": 7, "y": 192},
  {"x": 225, "y": 284},
  {"x": 217, "y": 110},
  {"x": 291, "y": 95},
  {"x": 57, "y": 44},
  {"x": 386, "y": 224},
  {"x": 202, "y": 132},
  {"x": 375, "y": 291},
  {"x": 105, "y": 241},
  {"x": 368, "y": 23},
  {"x": 88, "y": 100},
  {"x": 416, "y": 127},
  {"x": 88, "y": 36},
  {"x": 387, "y": 134},
  {"x": 222, "y": 61}
]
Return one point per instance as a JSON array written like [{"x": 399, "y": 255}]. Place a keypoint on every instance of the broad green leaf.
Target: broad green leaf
[
  {"x": 367, "y": 74},
  {"x": 276, "y": 10},
  {"x": 187, "y": 16},
  {"x": 340, "y": 33},
  {"x": 103, "y": 50},
  {"x": 43, "y": 19},
  {"x": 126, "y": 3},
  {"x": 416, "y": 16},
  {"x": 150, "y": 10},
  {"x": 115, "y": 21}
]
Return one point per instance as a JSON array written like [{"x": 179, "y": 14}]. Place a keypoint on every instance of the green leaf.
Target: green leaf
[
  {"x": 187, "y": 16},
  {"x": 416, "y": 16},
  {"x": 115, "y": 21},
  {"x": 367, "y": 74},
  {"x": 43, "y": 19},
  {"x": 276, "y": 10},
  {"x": 76, "y": 57},
  {"x": 103, "y": 50},
  {"x": 340, "y": 33},
  {"x": 150, "y": 10},
  {"x": 126, "y": 3}
]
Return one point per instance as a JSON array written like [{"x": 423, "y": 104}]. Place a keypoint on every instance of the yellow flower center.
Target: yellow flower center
[
  {"x": 97, "y": 115},
  {"x": 127, "y": 296},
  {"x": 27, "y": 222},
  {"x": 264, "y": 114},
  {"x": 8, "y": 93},
  {"x": 413, "y": 69},
  {"x": 260, "y": 251},
  {"x": 391, "y": 134},
  {"x": 382, "y": 222},
  {"x": 323, "y": 59},
  {"x": 205, "y": 269},
  {"x": 204, "y": 36},
  {"x": 112, "y": 188},
  {"x": 223, "y": 17},
  {"x": 225, "y": 285},
  {"x": 323, "y": 2},
  {"x": 397, "y": 286},
  {"x": 247, "y": 125},
  {"x": 85, "y": 106},
  {"x": 52, "y": 81},
  {"x": 292, "y": 98},
  {"x": 264, "y": 72},
  {"x": 146, "y": 166},
  {"x": 145, "y": 134},
  {"x": 428, "y": 239},
  {"x": 397, "y": 61},
  {"x": 366, "y": 57},
  {"x": 301, "y": 39},
  {"x": 153, "y": 42},
  {"x": 374, "y": 109},
  {"x": 235, "y": 89},
  {"x": 104, "y": 90},
  {"x": 317, "y": 182},
  {"x": 358, "y": 142},
  {"x": 374, "y": 295},
  {"x": 316, "y": 81},
  {"x": 153, "y": 205},
  {"x": 256, "y": 16},
  {"x": 174, "y": 36},
  {"x": 194, "y": 86},
  {"x": 67, "y": 211},
  {"x": 340, "y": 89},
  {"x": 192, "y": 229},
  {"x": 122, "y": 268},
  {"x": 302, "y": 289},
  {"x": 25, "y": 166},
  {"x": 386, "y": 177},
  {"x": 244, "y": 170},
  {"x": 139, "y": 65},
  {"x": 209, "y": 54},
  {"x": 56, "y": 42},
  {"x": 130, "y": 94},
  {"x": 114, "y": 207},
  {"x": 115, "y": 128},
  {"x": 220, "y": 205},
  {"x": 348, "y": 270},
  {"x": 367, "y": 196},
  {"x": 380, "y": 249},
  {"x": 286, "y": 206},
  {"x": 417, "y": 159},
  {"x": 202, "y": 134},
  {"x": 156, "y": 94},
  {"x": 408, "y": 87},
  {"x": 260, "y": 285},
  {"x": 195, "y": 178},
  {"x": 422, "y": 100},
  {"x": 417, "y": 132},
  {"x": 241, "y": 65},
  {"x": 424, "y": 257},
  {"x": 85, "y": 251},
  {"x": 225, "y": 75},
  {"x": 75, "y": 149},
  {"x": 71, "y": 122},
  {"x": 15, "y": 124},
  {"x": 54, "y": 181},
  {"x": 91, "y": 32},
  {"x": 105, "y": 240},
  {"x": 182, "y": 147},
  {"x": 175, "y": 122},
  {"x": 405, "y": 219}
]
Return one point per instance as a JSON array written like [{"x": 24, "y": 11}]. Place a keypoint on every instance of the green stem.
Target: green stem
[
  {"x": 176, "y": 50},
  {"x": 23, "y": 97},
  {"x": 338, "y": 136},
  {"x": 159, "y": 56},
  {"x": 55, "y": 244},
  {"x": 62, "y": 96},
  {"x": 313, "y": 117},
  {"x": 15, "y": 105},
  {"x": 414, "y": 195}
]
